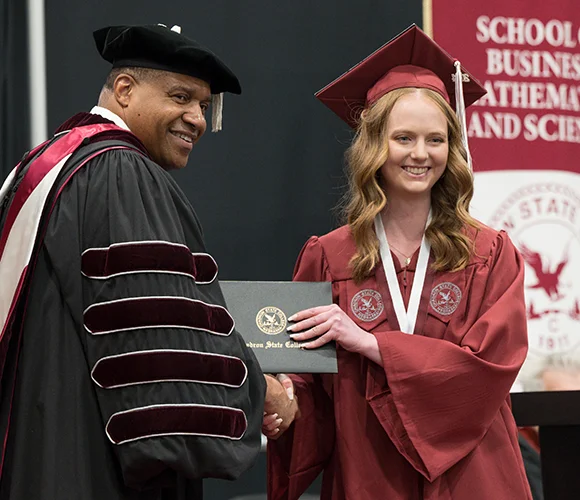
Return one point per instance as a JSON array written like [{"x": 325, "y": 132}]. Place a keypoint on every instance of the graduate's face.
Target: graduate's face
[
  {"x": 418, "y": 146},
  {"x": 167, "y": 113}
]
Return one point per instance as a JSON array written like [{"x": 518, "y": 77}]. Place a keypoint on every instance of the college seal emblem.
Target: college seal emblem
[
  {"x": 367, "y": 305},
  {"x": 445, "y": 298},
  {"x": 542, "y": 221},
  {"x": 271, "y": 320}
]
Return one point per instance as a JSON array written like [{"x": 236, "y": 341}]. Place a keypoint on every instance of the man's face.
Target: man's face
[{"x": 167, "y": 113}]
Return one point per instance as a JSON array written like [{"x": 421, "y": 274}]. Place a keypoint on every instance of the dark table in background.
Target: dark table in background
[{"x": 558, "y": 416}]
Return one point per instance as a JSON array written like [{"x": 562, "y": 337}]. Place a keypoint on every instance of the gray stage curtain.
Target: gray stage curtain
[{"x": 14, "y": 110}]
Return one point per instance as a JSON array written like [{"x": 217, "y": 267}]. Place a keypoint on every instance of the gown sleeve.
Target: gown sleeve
[
  {"x": 180, "y": 394},
  {"x": 438, "y": 399},
  {"x": 300, "y": 455}
]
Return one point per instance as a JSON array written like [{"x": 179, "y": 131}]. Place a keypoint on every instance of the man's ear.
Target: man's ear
[{"x": 123, "y": 89}]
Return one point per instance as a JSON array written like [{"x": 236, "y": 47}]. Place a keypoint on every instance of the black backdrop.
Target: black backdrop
[
  {"x": 14, "y": 110},
  {"x": 272, "y": 177},
  {"x": 268, "y": 181}
]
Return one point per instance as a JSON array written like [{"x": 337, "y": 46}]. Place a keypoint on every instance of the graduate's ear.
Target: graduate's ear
[{"x": 123, "y": 89}]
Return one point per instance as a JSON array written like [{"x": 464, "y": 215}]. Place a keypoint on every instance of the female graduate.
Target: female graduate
[{"x": 428, "y": 314}]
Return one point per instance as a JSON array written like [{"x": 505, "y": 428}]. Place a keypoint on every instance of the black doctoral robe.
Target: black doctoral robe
[{"x": 124, "y": 377}]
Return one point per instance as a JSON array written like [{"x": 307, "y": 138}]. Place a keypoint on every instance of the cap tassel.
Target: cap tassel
[
  {"x": 460, "y": 109},
  {"x": 217, "y": 108}
]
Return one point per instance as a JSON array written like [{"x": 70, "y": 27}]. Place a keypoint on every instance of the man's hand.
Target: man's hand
[{"x": 280, "y": 408}]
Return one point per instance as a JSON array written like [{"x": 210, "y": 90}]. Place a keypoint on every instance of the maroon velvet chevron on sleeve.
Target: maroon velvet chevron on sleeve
[
  {"x": 157, "y": 312},
  {"x": 148, "y": 256},
  {"x": 179, "y": 419},
  {"x": 143, "y": 367}
]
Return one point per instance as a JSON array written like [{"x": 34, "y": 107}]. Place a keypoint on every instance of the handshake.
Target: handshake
[{"x": 280, "y": 407}]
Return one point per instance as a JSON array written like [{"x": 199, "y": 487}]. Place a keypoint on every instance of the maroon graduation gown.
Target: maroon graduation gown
[{"x": 435, "y": 422}]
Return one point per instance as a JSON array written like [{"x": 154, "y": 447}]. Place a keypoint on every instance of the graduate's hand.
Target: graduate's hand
[
  {"x": 280, "y": 407},
  {"x": 320, "y": 325}
]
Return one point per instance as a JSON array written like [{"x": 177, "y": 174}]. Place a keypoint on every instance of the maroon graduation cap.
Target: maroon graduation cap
[{"x": 411, "y": 59}]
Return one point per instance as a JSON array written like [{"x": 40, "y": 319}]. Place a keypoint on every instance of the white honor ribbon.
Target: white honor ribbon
[{"x": 406, "y": 318}]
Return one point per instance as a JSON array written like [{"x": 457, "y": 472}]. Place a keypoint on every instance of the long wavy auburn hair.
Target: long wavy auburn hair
[{"x": 451, "y": 243}]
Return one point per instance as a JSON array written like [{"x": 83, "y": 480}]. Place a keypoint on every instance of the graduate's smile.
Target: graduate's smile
[{"x": 416, "y": 172}]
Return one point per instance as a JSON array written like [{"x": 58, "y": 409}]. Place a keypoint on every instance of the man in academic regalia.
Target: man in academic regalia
[{"x": 122, "y": 376}]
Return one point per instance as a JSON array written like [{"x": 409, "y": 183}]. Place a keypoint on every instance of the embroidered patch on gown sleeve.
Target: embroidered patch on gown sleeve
[
  {"x": 445, "y": 298},
  {"x": 367, "y": 305}
]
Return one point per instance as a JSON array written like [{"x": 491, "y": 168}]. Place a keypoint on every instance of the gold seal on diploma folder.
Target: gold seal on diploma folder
[{"x": 271, "y": 320}]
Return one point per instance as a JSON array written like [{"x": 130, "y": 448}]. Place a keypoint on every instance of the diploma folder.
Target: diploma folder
[{"x": 261, "y": 310}]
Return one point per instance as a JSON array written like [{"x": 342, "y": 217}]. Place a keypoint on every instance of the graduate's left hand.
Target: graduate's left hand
[{"x": 326, "y": 323}]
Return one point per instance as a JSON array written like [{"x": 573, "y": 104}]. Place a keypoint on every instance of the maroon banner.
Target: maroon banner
[
  {"x": 524, "y": 137},
  {"x": 526, "y": 53}
]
